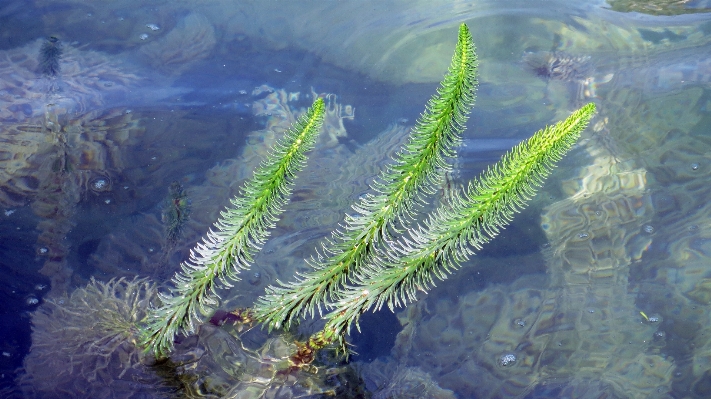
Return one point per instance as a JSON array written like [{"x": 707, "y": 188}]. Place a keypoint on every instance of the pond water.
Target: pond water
[{"x": 127, "y": 127}]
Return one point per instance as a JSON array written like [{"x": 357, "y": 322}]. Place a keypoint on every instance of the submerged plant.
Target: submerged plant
[
  {"x": 228, "y": 247},
  {"x": 50, "y": 54},
  {"x": 364, "y": 265},
  {"x": 418, "y": 169},
  {"x": 84, "y": 344},
  {"x": 454, "y": 230},
  {"x": 176, "y": 213}
]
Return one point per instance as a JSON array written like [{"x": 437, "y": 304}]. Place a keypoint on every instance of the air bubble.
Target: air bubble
[
  {"x": 583, "y": 235},
  {"x": 507, "y": 360},
  {"x": 694, "y": 166},
  {"x": 648, "y": 229},
  {"x": 520, "y": 322},
  {"x": 100, "y": 184},
  {"x": 31, "y": 301}
]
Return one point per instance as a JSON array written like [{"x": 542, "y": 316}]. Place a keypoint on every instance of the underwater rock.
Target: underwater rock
[
  {"x": 518, "y": 338},
  {"x": 83, "y": 345},
  {"x": 387, "y": 380},
  {"x": 595, "y": 236},
  {"x": 676, "y": 282},
  {"x": 582, "y": 325},
  {"x": 191, "y": 41},
  {"x": 220, "y": 362},
  {"x": 657, "y": 7}
]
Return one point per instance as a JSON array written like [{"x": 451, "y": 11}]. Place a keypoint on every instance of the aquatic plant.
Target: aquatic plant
[
  {"x": 417, "y": 170},
  {"x": 240, "y": 232},
  {"x": 84, "y": 344},
  {"x": 657, "y": 7},
  {"x": 454, "y": 230},
  {"x": 50, "y": 54},
  {"x": 364, "y": 265},
  {"x": 176, "y": 213}
]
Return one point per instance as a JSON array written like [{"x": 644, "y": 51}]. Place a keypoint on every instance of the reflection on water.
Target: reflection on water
[{"x": 151, "y": 94}]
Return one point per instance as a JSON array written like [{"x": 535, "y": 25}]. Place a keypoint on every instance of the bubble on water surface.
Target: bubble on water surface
[
  {"x": 100, "y": 184},
  {"x": 507, "y": 360}
]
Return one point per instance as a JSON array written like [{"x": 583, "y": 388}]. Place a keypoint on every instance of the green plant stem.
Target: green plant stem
[
  {"x": 455, "y": 230},
  {"x": 417, "y": 169},
  {"x": 239, "y": 233}
]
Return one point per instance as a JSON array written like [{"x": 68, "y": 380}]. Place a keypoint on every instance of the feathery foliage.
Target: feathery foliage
[
  {"x": 362, "y": 266},
  {"x": 176, "y": 213},
  {"x": 240, "y": 232},
  {"x": 50, "y": 55},
  {"x": 417, "y": 169},
  {"x": 453, "y": 231}
]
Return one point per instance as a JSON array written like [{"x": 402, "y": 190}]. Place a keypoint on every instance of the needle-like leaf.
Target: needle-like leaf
[{"x": 229, "y": 246}]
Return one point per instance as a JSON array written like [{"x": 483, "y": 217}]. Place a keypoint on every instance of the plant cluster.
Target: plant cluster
[{"x": 368, "y": 262}]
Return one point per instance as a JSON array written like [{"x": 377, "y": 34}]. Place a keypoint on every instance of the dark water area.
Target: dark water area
[{"x": 21, "y": 291}]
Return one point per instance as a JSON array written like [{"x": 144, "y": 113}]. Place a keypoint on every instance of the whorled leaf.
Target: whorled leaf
[
  {"x": 454, "y": 231},
  {"x": 230, "y": 244},
  {"x": 416, "y": 171}
]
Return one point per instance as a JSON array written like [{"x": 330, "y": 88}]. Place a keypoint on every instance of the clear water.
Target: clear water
[{"x": 600, "y": 288}]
